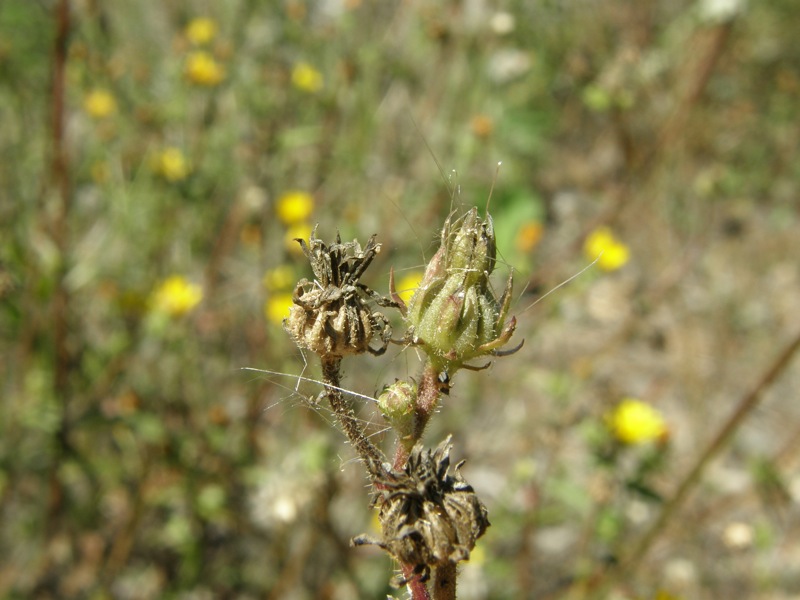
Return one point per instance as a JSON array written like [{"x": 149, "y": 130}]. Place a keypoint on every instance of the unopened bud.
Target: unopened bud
[
  {"x": 454, "y": 315},
  {"x": 396, "y": 403}
]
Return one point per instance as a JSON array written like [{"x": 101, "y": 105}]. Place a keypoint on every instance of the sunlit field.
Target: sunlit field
[{"x": 161, "y": 436}]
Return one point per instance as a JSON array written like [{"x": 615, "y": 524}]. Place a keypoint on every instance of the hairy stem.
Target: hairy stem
[
  {"x": 372, "y": 457},
  {"x": 416, "y": 588},
  {"x": 428, "y": 395},
  {"x": 444, "y": 582}
]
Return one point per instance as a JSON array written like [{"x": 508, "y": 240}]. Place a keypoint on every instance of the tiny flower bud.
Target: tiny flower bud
[{"x": 397, "y": 402}]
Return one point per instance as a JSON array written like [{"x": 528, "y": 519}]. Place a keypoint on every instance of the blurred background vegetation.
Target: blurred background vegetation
[{"x": 157, "y": 160}]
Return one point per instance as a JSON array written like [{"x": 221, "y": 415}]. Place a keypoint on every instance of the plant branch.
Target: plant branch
[
  {"x": 372, "y": 457},
  {"x": 59, "y": 178}
]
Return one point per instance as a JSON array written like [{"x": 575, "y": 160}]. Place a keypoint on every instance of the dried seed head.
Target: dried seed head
[
  {"x": 331, "y": 316},
  {"x": 454, "y": 315},
  {"x": 428, "y": 516}
]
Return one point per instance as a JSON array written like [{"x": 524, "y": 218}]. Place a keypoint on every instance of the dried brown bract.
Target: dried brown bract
[
  {"x": 428, "y": 516},
  {"x": 330, "y": 315}
]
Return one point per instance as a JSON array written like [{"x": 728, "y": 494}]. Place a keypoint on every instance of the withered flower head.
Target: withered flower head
[
  {"x": 330, "y": 315},
  {"x": 428, "y": 516},
  {"x": 454, "y": 315}
]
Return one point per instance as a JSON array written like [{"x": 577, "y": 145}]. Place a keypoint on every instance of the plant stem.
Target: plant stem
[
  {"x": 59, "y": 166},
  {"x": 416, "y": 588},
  {"x": 444, "y": 582},
  {"x": 61, "y": 181},
  {"x": 372, "y": 457},
  {"x": 744, "y": 408},
  {"x": 428, "y": 395}
]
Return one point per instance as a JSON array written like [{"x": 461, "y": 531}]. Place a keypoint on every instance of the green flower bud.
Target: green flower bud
[
  {"x": 397, "y": 403},
  {"x": 454, "y": 314}
]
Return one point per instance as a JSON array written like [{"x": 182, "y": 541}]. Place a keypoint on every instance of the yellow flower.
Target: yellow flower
[
  {"x": 279, "y": 278},
  {"x": 298, "y": 230},
  {"x": 99, "y": 104},
  {"x": 201, "y": 30},
  {"x": 277, "y": 306},
  {"x": 306, "y": 78},
  {"x": 176, "y": 296},
  {"x": 294, "y": 207},
  {"x": 634, "y": 422},
  {"x": 408, "y": 284},
  {"x": 203, "y": 69},
  {"x": 172, "y": 164},
  {"x": 612, "y": 253}
]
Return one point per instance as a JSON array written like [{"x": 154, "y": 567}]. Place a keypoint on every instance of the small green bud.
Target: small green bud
[
  {"x": 454, "y": 314},
  {"x": 397, "y": 403}
]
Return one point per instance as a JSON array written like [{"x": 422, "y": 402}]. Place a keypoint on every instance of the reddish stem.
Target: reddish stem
[
  {"x": 428, "y": 395},
  {"x": 417, "y": 589}
]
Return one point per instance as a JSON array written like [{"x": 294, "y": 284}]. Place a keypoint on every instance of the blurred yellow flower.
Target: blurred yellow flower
[
  {"x": 306, "y": 78},
  {"x": 481, "y": 125},
  {"x": 407, "y": 285},
  {"x": 602, "y": 243},
  {"x": 100, "y": 171},
  {"x": 201, "y": 30},
  {"x": 634, "y": 422},
  {"x": 172, "y": 165},
  {"x": 294, "y": 207},
  {"x": 375, "y": 521},
  {"x": 294, "y": 232},
  {"x": 279, "y": 278},
  {"x": 203, "y": 69},
  {"x": 277, "y": 306},
  {"x": 176, "y": 296},
  {"x": 477, "y": 556},
  {"x": 100, "y": 104},
  {"x": 528, "y": 236}
]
